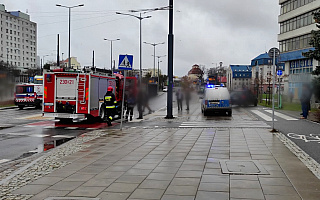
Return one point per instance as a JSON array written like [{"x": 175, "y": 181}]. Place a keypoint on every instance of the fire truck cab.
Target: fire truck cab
[{"x": 29, "y": 94}]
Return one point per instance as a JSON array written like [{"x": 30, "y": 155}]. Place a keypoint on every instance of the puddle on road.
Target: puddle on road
[{"x": 46, "y": 146}]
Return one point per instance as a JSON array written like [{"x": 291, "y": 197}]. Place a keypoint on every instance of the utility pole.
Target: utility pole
[
  {"x": 159, "y": 70},
  {"x": 140, "y": 73},
  {"x": 58, "y": 51},
  {"x": 170, "y": 62},
  {"x": 69, "y": 45}
]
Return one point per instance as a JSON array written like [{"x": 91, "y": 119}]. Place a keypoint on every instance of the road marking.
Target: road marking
[
  {"x": 4, "y": 160},
  {"x": 286, "y": 117},
  {"x": 262, "y": 115},
  {"x": 306, "y": 138},
  {"x": 63, "y": 136},
  {"x": 19, "y": 134},
  {"x": 71, "y": 128},
  {"x": 39, "y": 135}
]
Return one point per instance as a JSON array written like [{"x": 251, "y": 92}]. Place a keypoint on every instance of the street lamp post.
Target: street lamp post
[
  {"x": 42, "y": 63},
  {"x": 158, "y": 69},
  {"x": 111, "y": 51},
  {"x": 170, "y": 62},
  {"x": 69, "y": 47},
  {"x": 140, "y": 73},
  {"x": 154, "y": 54}
]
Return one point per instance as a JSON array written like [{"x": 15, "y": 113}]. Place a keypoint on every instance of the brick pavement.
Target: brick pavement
[{"x": 173, "y": 164}]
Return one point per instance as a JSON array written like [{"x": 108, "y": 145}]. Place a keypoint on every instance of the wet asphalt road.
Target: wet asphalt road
[{"x": 24, "y": 132}]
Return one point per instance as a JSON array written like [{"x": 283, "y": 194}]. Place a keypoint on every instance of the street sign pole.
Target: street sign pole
[
  {"x": 274, "y": 52},
  {"x": 125, "y": 63},
  {"x": 273, "y": 84},
  {"x": 123, "y": 93}
]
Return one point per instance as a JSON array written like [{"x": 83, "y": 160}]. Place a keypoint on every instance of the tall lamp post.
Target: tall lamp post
[
  {"x": 158, "y": 68},
  {"x": 69, "y": 47},
  {"x": 111, "y": 51},
  {"x": 140, "y": 18},
  {"x": 42, "y": 63},
  {"x": 154, "y": 54},
  {"x": 170, "y": 62}
]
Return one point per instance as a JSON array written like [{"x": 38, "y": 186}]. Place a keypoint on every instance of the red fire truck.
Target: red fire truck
[
  {"x": 29, "y": 94},
  {"x": 77, "y": 96}
]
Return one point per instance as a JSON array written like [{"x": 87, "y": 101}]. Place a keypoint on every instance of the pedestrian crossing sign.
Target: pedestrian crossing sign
[{"x": 125, "y": 62}]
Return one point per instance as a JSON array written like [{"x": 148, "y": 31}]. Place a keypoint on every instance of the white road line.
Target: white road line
[
  {"x": 4, "y": 160},
  {"x": 63, "y": 136},
  {"x": 49, "y": 127},
  {"x": 19, "y": 134},
  {"x": 71, "y": 128},
  {"x": 286, "y": 117},
  {"x": 30, "y": 116},
  {"x": 263, "y": 116},
  {"x": 38, "y": 135}
]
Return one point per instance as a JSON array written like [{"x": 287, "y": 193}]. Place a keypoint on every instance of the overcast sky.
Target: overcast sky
[{"x": 205, "y": 31}]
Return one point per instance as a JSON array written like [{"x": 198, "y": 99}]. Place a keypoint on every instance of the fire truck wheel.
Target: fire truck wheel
[
  {"x": 21, "y": 107},
  {"x": 102, "y": 114}
]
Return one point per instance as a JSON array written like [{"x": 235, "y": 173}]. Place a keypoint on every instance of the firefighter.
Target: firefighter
[{"x": 110, "y": 104}]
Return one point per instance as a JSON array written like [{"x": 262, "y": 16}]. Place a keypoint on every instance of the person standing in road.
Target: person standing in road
[
  {"x": 110, "y": 104},
  {"x": 145, "y": 99},
  {"x": 187, "y": 96},
  {"x": 179, "y": 95},
  {"x": 305, "y": 100},
  {"x": 130, "y": 103}
]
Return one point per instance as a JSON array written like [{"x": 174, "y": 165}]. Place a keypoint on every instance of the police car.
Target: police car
[{"x": 216, "y": 99}]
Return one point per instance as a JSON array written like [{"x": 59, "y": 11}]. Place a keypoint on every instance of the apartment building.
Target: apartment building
[
  {"x": 296, "y": 23},
  {"x": 239, "y": 77},
  {"x": 18, "y": 39}
]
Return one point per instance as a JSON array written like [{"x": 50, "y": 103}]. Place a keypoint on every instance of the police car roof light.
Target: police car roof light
[{"x": 210, "y": 86}]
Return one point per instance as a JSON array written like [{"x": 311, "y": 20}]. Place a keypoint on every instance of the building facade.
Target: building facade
[
  {"x": 239, "y": 77},
  {"x": 18, "y": 39},
  {"x": 262, "y": 73},
  {"x": 296, "y": 23},
  {"x": 74, "y": 63}
]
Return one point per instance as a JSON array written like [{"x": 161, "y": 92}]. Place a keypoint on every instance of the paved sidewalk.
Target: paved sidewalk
[{"x": 173, "y": 164}]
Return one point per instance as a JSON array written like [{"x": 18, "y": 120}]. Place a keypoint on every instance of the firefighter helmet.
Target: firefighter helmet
[{"x": 110, "y": 89}]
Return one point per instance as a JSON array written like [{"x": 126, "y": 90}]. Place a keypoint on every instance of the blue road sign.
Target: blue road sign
[
  {"x": 31, "y": 79},
  {"x": 279, "y": 72},
  {"x": 125, "y": 62}
]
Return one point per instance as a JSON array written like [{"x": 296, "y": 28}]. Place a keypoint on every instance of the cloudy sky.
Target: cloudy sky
[{"x": 206, "y": 31}]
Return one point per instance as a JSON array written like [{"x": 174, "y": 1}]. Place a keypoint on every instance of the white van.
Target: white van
[{"x": 217, "y": 99}]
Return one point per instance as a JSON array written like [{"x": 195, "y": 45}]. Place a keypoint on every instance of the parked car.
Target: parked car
[
  {"x": 243, "y": 98},
  {"x": 216, "y": 99}
]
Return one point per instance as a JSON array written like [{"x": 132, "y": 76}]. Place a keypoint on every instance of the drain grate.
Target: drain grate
[
  {"x": 71, "y": 198},
  {"x": 243, "y": 167}
]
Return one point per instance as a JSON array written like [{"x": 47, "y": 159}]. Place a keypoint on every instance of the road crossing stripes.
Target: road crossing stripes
[
  {"x": 286, "y": 117},
  {"x": 224, "y": 124},
  {"x": 262, "y": 115},
  {"x": 268, "y": 116}
]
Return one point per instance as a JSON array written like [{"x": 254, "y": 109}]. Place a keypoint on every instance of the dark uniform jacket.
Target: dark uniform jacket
[{"x": 110, "y": 100}]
